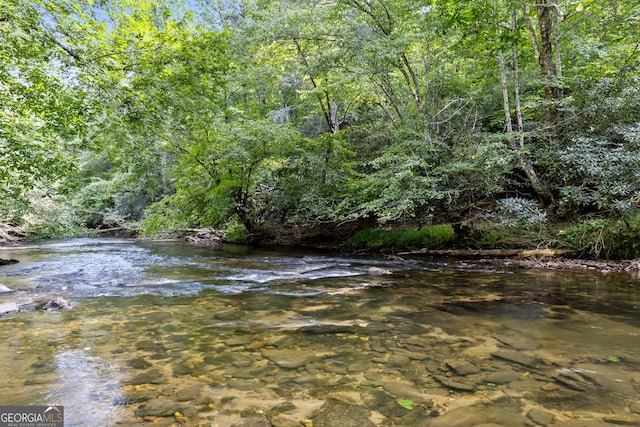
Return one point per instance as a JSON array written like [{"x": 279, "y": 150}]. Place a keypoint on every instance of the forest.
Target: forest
[{"x": 369, "y": 123}]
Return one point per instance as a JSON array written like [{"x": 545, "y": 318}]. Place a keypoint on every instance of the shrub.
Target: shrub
[
  {"x": 605, "y": 238},
  {"x": 518, "y": 212},
  {"x": 431, "y": 237},
  {"x": 50, "y": 217},
  {"x": 602, "y": 173},
  {"x": 235, "y": 232}
]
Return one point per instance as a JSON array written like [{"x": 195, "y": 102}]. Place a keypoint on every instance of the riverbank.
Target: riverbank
[
  {"x": 531, "y": 259},
  {"x": 551, "y": 259},
  {"x": 631, "y": 267}
]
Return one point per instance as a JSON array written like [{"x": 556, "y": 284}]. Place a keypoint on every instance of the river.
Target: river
[{"x": 171, "y": 333}]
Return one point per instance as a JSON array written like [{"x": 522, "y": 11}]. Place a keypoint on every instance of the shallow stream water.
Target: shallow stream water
[{"x": 170, "y": 333}]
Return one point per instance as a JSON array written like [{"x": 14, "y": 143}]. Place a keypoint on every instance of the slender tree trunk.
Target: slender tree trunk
[
  {"x": 541, "y": 190},
  {"x": 325, "y": 102},
  {"x": 387, "y": 91},
  {"x": 546, "y": 57},
  {"x": 532, "y": 31},
  {"x": 555, "y": 33},
  {"x": 516, "y": 83},
  {"x": 505, "y": 93},
  {"x": 413, "y": 84},
  {"x": 543, "y": 46},
  {"x": 384, "y": 23}
]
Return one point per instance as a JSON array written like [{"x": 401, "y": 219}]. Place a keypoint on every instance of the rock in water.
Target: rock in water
[
  {"x": 4, "y": 289},
  {"x": 158, "y": 408},
  {"x": 53, "y": 304},
  {"x": 540, "y": 416},
  {"x": 8, "y": 261},
  {"x": 335, "y": 413},
  {"x": 376, "y": 271},
  {"x": 8, "y": 307}
]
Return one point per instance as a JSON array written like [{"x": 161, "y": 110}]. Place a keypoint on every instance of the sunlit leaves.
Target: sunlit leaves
[
  {"x": 229, "y": 174},
  {"x": 310, "y": 111},
  {"x": 40, "y": 115}
]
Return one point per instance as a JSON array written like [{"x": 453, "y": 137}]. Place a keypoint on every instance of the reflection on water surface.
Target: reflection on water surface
[{"x": 170, "y": 333}]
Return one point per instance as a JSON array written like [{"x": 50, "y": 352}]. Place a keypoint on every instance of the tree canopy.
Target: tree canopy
[{"x": 274, "y": 119}]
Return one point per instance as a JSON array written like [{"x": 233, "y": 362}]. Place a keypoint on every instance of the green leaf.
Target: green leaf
[{"x": 406, "y": 403}]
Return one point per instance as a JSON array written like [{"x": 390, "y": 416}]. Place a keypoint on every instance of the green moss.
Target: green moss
[{"x": 432, "y": 237}]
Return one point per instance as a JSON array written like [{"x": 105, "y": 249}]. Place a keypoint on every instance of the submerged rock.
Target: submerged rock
[
  {"x": 479, "y": 415},
  {"x": 402, "y": 390},
  {"x": 463, "y": 367},
  {"x": 501, "y": 377},
  {"x": 380, "y": 401},
  {"x": 453, "y": 384},
  {"x": 517, "y": 342},
  {"x": 53, "y": 304},
  {"x": 516, "y": 357},
  {"x": 189, "y": 392},
  {"x": 623, "y": 420},
  {"x": 540, "y": 416},
  {"x": 239, "y": 340},
  {"x": 335, "y": 413},
  {"x": 258, "y": 421},
  {"x": 289, "y": 359},
  {"x": 158, "y": 408},
  {"x": 139, "y": 363},
  {"x": 284, "y": 420},
  {"x": 8, "y": 261},
  {"x": 151, "y": 376},
  {"x": 377, "y": 271}
]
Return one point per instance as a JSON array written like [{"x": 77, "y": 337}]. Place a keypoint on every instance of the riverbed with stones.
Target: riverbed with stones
[{"x": 168, "y": 333}]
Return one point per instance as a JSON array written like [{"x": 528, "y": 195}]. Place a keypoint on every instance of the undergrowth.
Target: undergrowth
[
  {"x": 431, "y": 237},
  {"x": 604, "y": 238}
]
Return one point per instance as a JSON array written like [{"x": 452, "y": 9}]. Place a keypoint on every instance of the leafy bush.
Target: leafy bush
[
  {"x": 235, "y": 232},
  {"x": 50, "y": 216},
  {"x": 602, "y": 173},
  {"x": 518, "y": 212},
  {"x": 431, "y": 237},
  {"x": 605, "y": 238}
]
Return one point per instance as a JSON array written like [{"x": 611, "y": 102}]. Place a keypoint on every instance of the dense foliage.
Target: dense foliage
[{"x": 290, "y": 121}]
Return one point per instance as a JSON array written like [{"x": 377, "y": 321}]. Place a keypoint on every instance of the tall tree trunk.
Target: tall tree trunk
[
  {"x": 543, "y": 46},
  {"x": 541, "y": 190},
  {"x": 516, "y": 83},
  {"x": 324, "y": 101},
  {"x": 414, "y": 86},
  {"x": 555, "y": 33},
  {"x": 505, "y": 93},
  {"x": 546, "y": 57}
]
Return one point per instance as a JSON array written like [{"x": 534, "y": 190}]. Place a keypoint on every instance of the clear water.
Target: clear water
[{"x": 194, "y": 335}]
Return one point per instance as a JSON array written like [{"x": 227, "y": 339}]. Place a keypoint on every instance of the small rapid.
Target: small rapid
[{"x": 122, "y": 267}]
